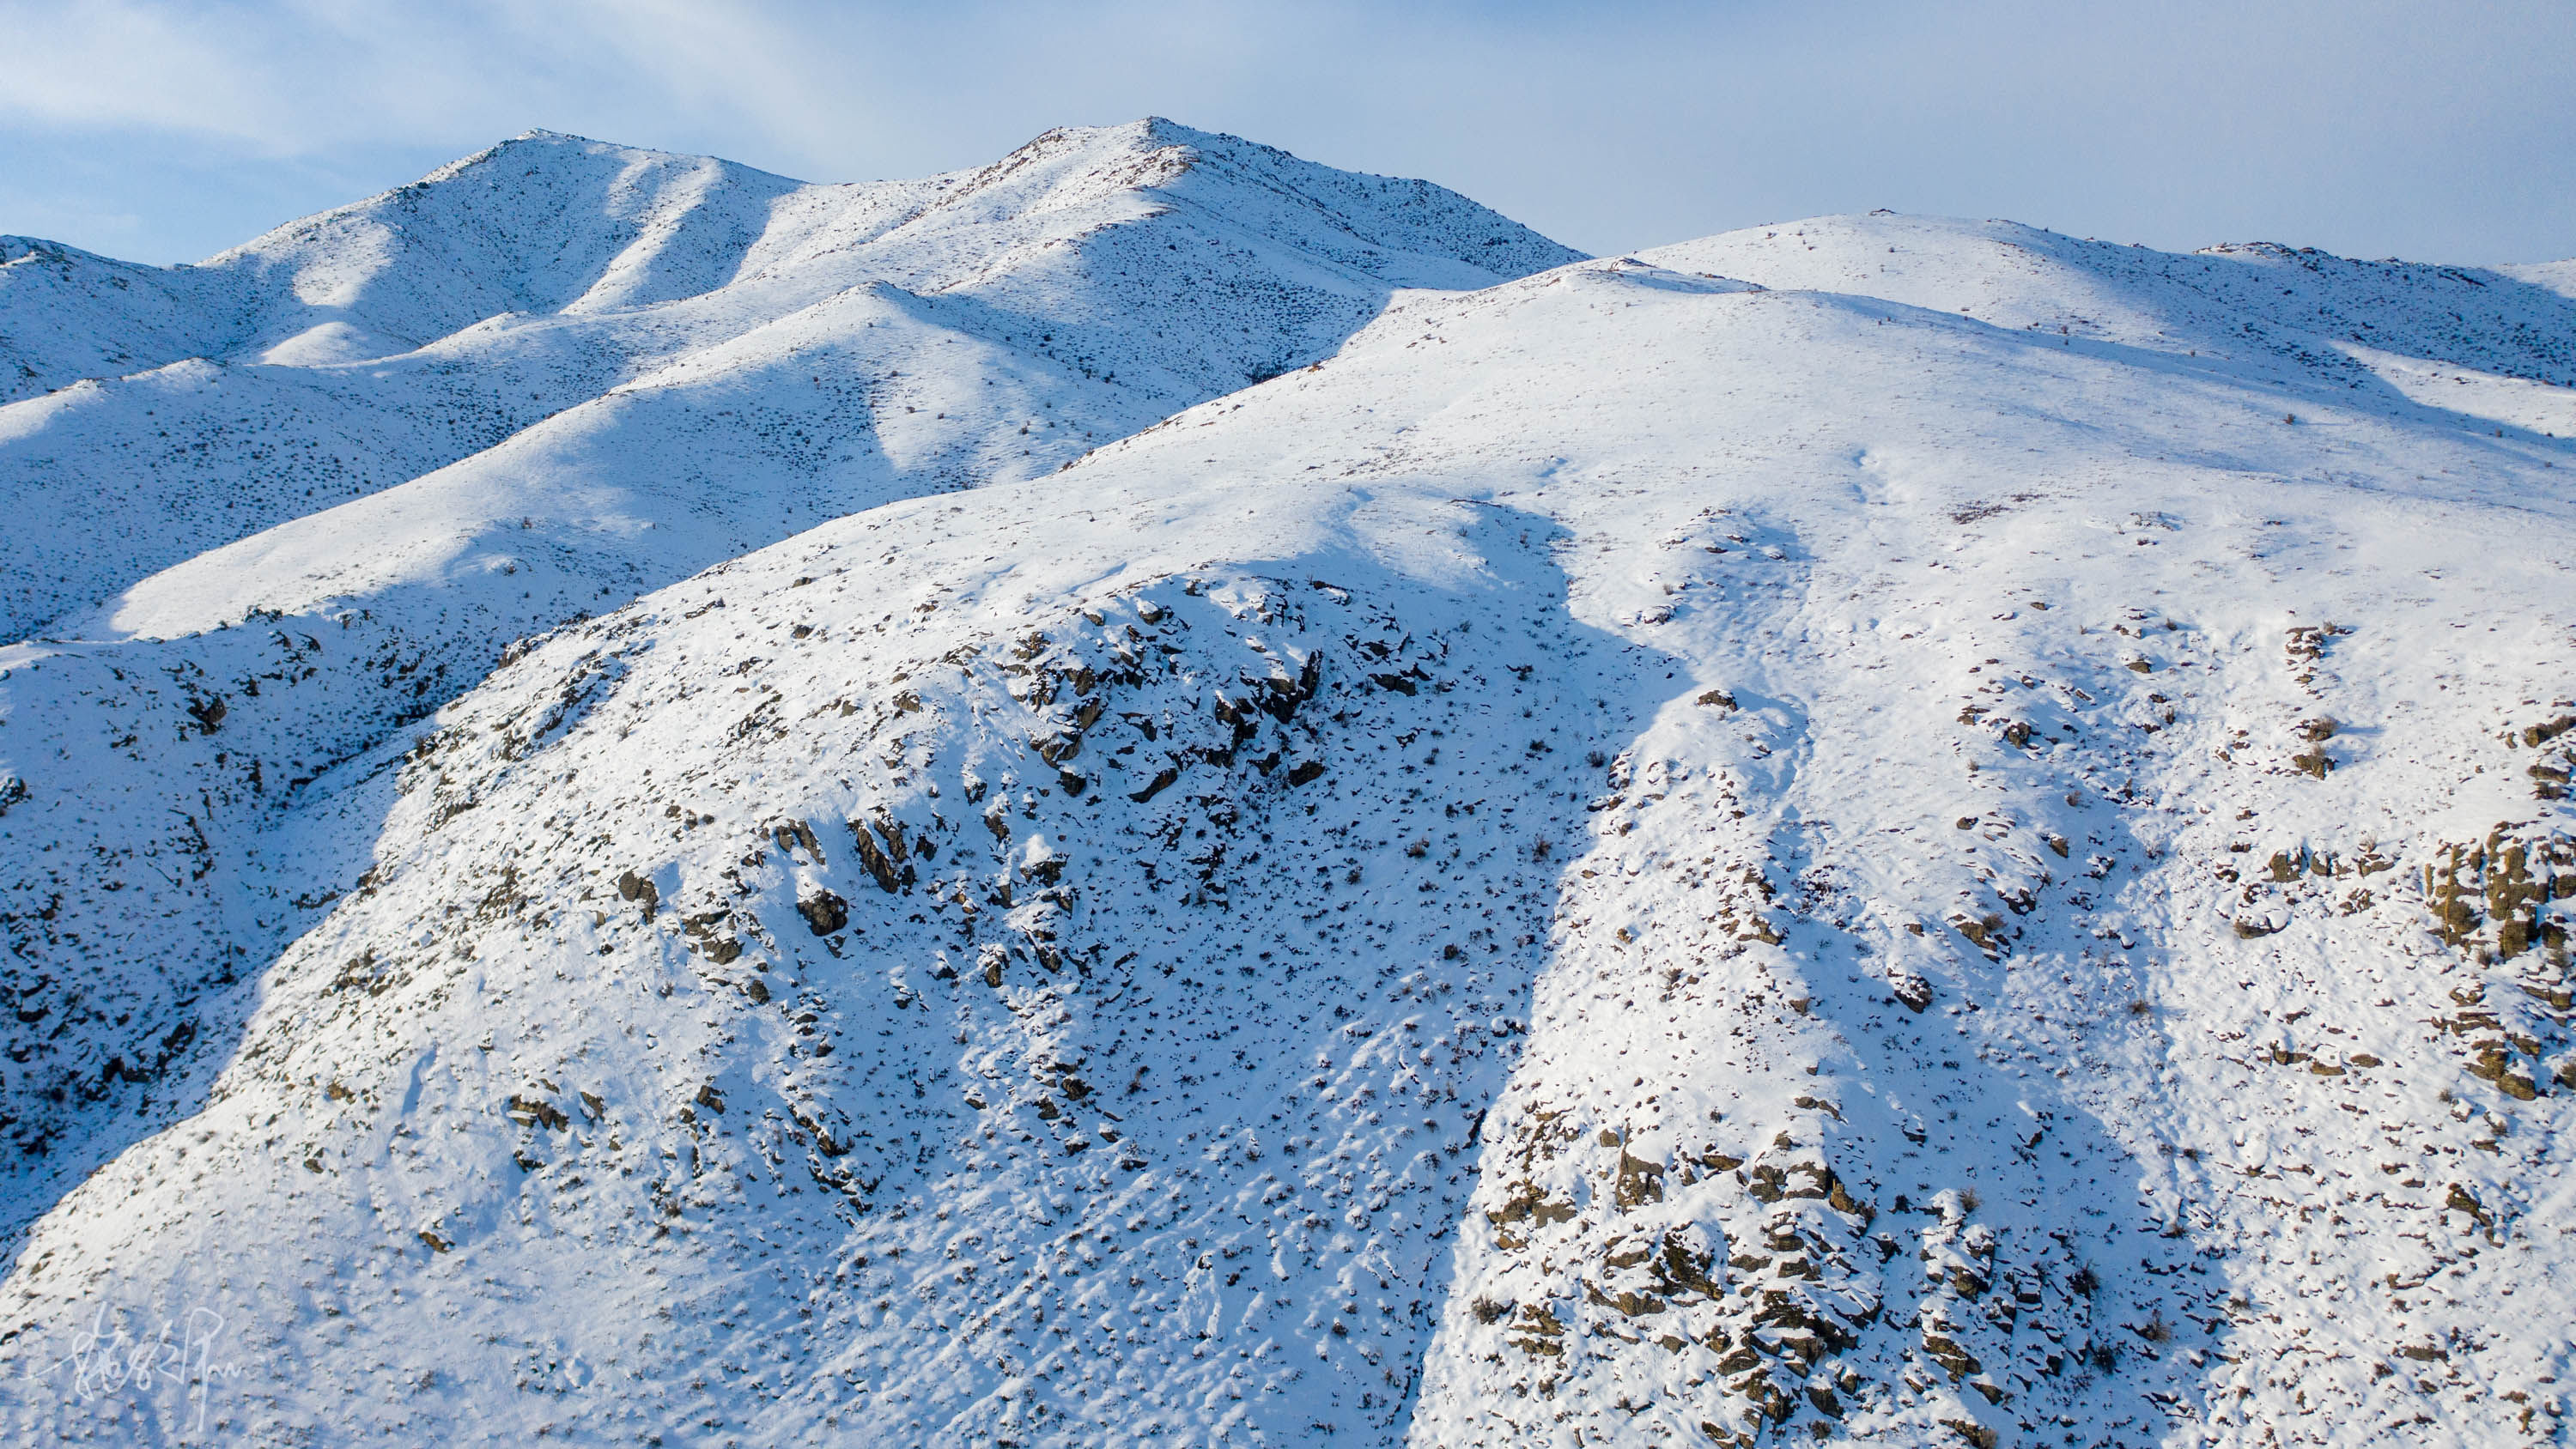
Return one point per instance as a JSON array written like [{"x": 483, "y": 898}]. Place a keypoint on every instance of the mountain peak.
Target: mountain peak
[{"x": 1033, "y": 806}]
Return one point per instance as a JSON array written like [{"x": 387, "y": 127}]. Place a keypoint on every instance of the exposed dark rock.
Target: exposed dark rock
[{"x": 825, "y": 912}]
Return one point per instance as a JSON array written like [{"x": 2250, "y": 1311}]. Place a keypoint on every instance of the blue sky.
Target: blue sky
[{"x": 2435, "y": 131}]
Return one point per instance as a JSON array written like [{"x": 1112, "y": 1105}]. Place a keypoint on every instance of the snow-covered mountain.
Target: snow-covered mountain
[
  {"x": 677, "y": 361},
  {"x": 1696, "y": 848},
  {"x": 573, "y": 299}
]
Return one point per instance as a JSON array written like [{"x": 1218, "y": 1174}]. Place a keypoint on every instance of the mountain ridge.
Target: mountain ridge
[
  {"x": 412, "y": 330},
  {"x": 1666, "y": 848},
  {"x": 995, "y": 340}
]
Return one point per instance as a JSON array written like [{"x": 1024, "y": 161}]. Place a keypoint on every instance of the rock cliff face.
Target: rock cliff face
[{"x": 1687, "y": 849}]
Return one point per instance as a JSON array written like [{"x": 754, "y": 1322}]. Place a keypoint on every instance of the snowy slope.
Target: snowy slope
[
  {"x": 184, "y": 407},
  {"x": 2559, "y": 277},
  {"x": 1630, "y": 859},
  {"x": 344, "y": 354},
  {"x": 2267, "y": 312},
  {"x": 67, "y": 314},
  {"x": 860, "y": 344},
  {"x": 542, "y": 223}
]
